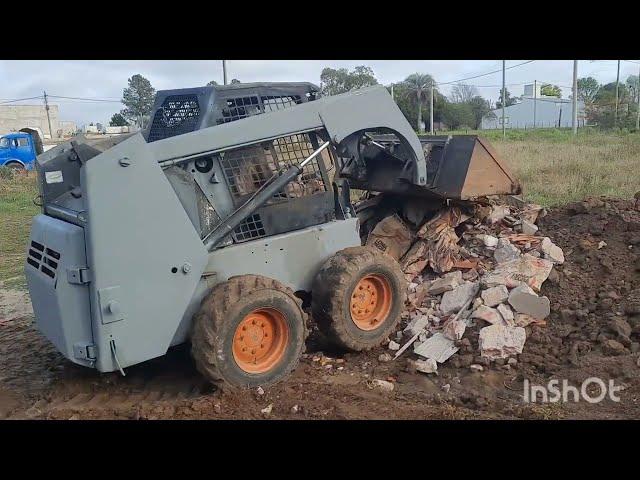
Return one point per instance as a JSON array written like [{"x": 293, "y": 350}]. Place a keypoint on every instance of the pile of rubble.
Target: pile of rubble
[{"x": 477, "y": 266}]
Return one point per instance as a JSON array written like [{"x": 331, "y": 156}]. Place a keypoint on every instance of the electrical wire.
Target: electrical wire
[
  {"x": 20, "y": 100},
  {"x": 85, "y": 99},
  {"x": 484, "y": 74}
]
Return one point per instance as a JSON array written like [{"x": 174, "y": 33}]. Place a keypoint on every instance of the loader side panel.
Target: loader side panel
[
  {"x": 144, "y": 252},
  {"x": 55, "y": 252}
]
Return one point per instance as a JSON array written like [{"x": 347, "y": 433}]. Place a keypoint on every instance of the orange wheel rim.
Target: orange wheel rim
[
  {"x": 370, "y": 302},
  {"x": 260, "y": 340}
]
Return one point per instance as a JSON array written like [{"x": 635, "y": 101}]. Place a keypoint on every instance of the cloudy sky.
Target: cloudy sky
[{"x": 102, "y": 79}]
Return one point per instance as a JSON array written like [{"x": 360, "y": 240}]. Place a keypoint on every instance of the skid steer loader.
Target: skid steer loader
[{"x": 212, "y": 225}]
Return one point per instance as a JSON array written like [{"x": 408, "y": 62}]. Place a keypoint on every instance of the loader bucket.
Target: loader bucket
[
  {"x": 460, "y": 167},
  {"x": 465, "y": 167}
]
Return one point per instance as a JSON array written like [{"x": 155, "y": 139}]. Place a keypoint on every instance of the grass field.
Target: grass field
[
  {"x": 16, "y": 210},
  {"x": 553, "y": 166}
]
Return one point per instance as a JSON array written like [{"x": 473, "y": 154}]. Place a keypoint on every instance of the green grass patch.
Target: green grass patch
[{"x": 16, "y": 211}]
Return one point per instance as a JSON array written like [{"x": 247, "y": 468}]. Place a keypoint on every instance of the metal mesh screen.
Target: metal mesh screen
[
  {"x": 178, "y": 114},
  {"x": 243, "y": 107},
  {"x": 250, "y": 228},
  {"x": 247, "y": 169},
  {"x": 272, "y": 103},
  {"x": 240, "y": 107}
]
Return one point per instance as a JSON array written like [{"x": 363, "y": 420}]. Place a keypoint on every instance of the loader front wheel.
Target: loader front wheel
[
  {"x": 250, "y": 331},
  {"x": 357, "y": 297}
]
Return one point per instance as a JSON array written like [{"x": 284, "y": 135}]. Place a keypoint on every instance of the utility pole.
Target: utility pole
[
  {"x": 574, "y": 120},
  {"x": 504, "y": 99},
  {"x": 392, "y": 97},
  {"x": 615, "y": 120},
  {"x": 431, "y": 109},
  {"x": 535, "y": 101},
  {"x": 46, "y": 107},
  {"x": 638, "y": 94},
  {"x": 224, "y": 71}
]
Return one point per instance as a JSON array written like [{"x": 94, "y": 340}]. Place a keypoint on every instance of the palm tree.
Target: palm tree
[{"x": 418, "y": 86}]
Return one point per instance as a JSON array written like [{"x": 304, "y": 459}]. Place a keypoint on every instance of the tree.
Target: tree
[
  {"x": 510, "y": 100},
  {"x": 479, "y": 108},
  {"x": 418, "y": 87},
  {"x": 587, "y": 89},
  {"x": 461, "y": 93},
  {"x": 212, "y": 83},
  {"x": 549, "y": 90},
  {"x": 138, "y": 99},
  {"x": 234, "y": 81},
  {"x": 338, "y": 81},
  {"x": 459, "y": 116},
  {"x": 118, "y": 120},
  {"x": 408, "y": 104}
]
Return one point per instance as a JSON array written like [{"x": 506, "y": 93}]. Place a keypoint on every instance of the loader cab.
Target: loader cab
[{"x": 185, "y": 110}]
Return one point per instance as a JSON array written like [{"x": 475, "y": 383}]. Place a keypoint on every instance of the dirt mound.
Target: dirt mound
[{"x": 593, "y": 331}]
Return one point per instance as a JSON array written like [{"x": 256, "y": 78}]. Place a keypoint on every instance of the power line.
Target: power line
[
  {"x": 20, "y": 99},
  {"x": 86, "y": 99},
  {"x": 484, "y": 74}
]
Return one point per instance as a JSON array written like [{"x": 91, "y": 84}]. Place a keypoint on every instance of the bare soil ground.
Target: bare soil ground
[{"x": 595, "y": 298}]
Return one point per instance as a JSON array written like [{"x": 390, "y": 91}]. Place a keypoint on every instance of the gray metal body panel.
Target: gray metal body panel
[
  {"x": 294, "y": 258},
  {"x": 341, "y": 115},
  {"x": 61, "y": 308},
  {"x": 137, "y": 231}
]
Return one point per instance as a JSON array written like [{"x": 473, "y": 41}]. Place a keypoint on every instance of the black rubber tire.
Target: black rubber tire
[
  {"x": 15, "y": 166},
  {"x": 331, "y": 294},
  {"x": 220, "y": 313}
]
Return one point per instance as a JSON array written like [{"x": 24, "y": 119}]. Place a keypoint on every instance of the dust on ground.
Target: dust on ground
[{"x": 593, "y": 331}]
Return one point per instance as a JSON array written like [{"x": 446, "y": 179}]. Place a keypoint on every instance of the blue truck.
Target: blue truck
[{"x": 19, "y": 150}]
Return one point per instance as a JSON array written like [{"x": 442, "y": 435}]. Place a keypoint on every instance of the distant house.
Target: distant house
[{"x": 548, "y": 111}]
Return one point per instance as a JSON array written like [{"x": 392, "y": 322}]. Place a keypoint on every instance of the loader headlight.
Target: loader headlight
[{"x": 203, "y": 165}]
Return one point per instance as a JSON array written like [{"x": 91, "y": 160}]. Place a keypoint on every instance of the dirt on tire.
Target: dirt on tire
[
  {"x": 332, "y": 289},
  {"x": 219, "y": 315},
  {"x": 593, "y": 331}
]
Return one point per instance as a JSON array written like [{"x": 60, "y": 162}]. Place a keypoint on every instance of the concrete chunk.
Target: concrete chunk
[
  {"x": 524, "y": 301},
  {"x": 424, "y": 366},
  {"x": 446, "y": 283},
  {"x": 488, "y": 240},
  {"x": 528, "y": 269},
  {"x": 437, "y": 347},
  {"x": 488, "y": 314},
  {"x": 506, "y": 251},
  {"x": 495, "y": 295},
  {"x": 506, "y": 313},
  {"x": 529, "y": 228},
  {"x": 455, "y": 299},
  {"x": 454, "y": 329},
  {"x": 551, "y": 251},
  {"x": 394, "y": 345},
  {"x": 500, "y": 341},
  {"x": 416, "y": 325}
]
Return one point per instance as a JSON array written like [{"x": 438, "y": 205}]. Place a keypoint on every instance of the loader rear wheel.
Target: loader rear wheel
[
  {"x": 357, "y": 297},
  {"x": 250, "y": 331}
]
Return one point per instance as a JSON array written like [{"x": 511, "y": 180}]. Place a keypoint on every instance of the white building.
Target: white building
[{"x": 548, "y": 112}]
